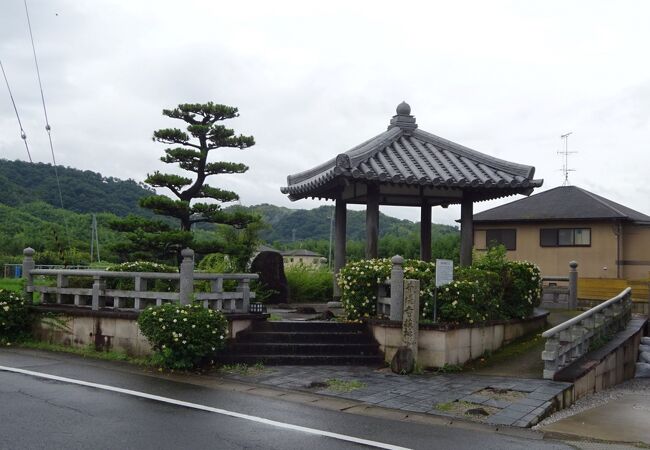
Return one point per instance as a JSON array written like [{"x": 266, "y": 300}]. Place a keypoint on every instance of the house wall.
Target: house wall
[
  {"x": 309, "y": 261},
  {"x": 596, "y": 261},
  {"x": 636, "y": 252}
]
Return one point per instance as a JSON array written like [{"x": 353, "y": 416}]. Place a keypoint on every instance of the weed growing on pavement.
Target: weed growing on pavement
[{"x": 337, "y": 385}]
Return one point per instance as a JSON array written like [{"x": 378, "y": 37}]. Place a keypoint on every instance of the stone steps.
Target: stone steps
[{"x": 304, "y": 343}]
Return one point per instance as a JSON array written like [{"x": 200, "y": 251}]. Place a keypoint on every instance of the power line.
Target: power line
[
  {"x": 48, "y": 128},
  {"x": 23, "y": 135}
]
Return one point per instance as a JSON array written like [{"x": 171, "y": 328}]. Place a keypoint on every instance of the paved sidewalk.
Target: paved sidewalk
[{"x": 494, "y": 400}]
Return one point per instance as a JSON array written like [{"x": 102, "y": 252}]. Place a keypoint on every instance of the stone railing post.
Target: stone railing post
[
  {"x": 28, "y": 266},
  {"x": 396, "y": 288},
  {"x": 244, "y": 287},
  {"x": 573, "y": 285},
  {"x": 98, "y": 287},
  {"x": 139, "y": 285},
  {"x": 186, "y": 287}
]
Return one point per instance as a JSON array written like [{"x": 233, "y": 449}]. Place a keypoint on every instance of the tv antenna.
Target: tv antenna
[{"x": 565, "y": 153}]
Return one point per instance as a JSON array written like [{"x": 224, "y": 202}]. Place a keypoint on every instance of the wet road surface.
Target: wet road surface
[{"x": 51, "y": 414}]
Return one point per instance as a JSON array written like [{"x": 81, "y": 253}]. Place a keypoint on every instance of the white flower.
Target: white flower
[{"x": 174, "y": 320}]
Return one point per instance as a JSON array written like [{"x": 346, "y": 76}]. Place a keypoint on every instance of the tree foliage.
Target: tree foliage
[{"x": 194, "y": 201}]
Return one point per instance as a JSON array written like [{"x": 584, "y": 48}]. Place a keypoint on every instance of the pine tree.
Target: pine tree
[{"x": 195, "y": 201}]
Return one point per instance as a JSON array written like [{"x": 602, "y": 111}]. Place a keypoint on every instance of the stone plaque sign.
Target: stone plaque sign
[{"x": 444, "y": 271}]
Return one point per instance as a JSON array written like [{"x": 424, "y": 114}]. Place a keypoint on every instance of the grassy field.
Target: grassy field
[{"x": 11, "y": 284}]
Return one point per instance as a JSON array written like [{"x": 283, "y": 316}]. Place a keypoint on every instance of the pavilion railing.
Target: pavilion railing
[
  {"x": 100, "y": 287},
  {"x": 572, "y": 339},
  {"x": 390, "y": 295}
]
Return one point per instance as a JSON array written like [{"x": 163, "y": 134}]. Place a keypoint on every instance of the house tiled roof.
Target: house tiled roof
[
  {"x": 561, "y": 203},
  {"x": 405, "y": 155}
]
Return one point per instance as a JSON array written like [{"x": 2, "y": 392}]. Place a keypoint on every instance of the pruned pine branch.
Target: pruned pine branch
[
  {"x": 166, "y": 206},
  {"x": 179, "y": 154},
  {"x": 195, "y": 113},
  {"x": 172, "y": 182},
  {"x": 217, "y": 194},
  {"x": 222, "y": 167},
  {"x": 131, "y": 223},
  {"x": 173, "y": 136},
  {"x": 212, "y": 213},
  {"x": 220, "y": 136}
]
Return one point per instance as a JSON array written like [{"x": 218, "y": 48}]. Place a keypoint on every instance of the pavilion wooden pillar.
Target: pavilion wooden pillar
[
  {"x": 466, "y": 231},
  {"x": 340, "y": 220},
  {"x": 425, "y": 231},
  {"x": 372, "y": 221}
]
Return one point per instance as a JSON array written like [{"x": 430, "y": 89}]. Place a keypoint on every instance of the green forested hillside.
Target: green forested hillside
[
  {"x": 83, "y": 191},
  {"x": 43, "y": 227},
  {"x": 30, "y": 215}
]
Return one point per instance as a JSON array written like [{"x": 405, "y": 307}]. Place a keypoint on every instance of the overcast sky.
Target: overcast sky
[{"x": 314, "y": 79}]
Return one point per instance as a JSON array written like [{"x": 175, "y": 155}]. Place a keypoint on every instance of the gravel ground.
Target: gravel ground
[{"x": 633, "y": 386}]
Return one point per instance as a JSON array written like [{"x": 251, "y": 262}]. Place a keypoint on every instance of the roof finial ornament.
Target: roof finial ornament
[
  {"x": 403, "y": 109},
  {"x": 403, "y": 119}
]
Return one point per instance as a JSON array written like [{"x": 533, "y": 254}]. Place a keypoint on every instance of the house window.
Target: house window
[
  {"x": 506, "y": 237},
  {"x": 565, "y": 237}
]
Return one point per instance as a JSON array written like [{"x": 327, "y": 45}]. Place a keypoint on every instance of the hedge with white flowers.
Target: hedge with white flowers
[
  {"x": 15, "y": 319},
  {"x": 493, "y": 288},
  {"x": 183, "y": 336}
]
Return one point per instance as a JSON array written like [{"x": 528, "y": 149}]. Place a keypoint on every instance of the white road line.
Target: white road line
[{"x": 224, "y": 412}]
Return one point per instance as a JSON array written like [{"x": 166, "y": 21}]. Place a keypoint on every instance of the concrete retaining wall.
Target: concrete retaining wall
[
  {"x": 108, "y": 330},
  {"x": 439, "y": 345}
]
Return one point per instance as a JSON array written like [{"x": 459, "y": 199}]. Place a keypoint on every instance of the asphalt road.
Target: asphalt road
[{"x": 40, "y": 413}]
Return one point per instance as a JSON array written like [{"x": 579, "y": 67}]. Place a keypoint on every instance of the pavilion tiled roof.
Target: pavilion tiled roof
[
  {"x": 559, "y": 204},
  {"x": 405, "y": 155}
]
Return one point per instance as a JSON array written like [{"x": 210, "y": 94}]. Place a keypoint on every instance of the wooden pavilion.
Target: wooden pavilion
[{"x": 405, "y": 166}]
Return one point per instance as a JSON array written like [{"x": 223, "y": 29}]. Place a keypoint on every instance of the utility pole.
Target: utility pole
[
  {"x": 94, "y": 240},
  {"x": 565, "y": 153}
]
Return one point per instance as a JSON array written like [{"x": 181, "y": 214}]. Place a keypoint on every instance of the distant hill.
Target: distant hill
[
  {"x": 83, "y": 191},
  {"x": 30, "y": 212},
  {"x": 288, "y": 225}
]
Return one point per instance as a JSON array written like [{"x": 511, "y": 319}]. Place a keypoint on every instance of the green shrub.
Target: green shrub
[
  {"x": 15, "y": 319},
  {"x": 309, "y": 284},
  {"x": 359, "y": 281},
  {"x": 493, "y": 288},
  {"x": 182, "y": 335},
  {"x": 522, "y": 289},
  {"x": 127, "y": 284}
]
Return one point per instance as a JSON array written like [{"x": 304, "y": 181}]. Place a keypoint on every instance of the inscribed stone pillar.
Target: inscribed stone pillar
[
  {"x": 425, "y": 231},
  {"x": 372, "y": 221},
  {"x": 340, "y": 219},
  {"x": 410, "y": 318},
  {"x": 466, "y": 231}
]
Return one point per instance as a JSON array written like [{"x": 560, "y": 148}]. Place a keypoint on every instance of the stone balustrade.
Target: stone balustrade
[
  {"x": 99, "y": 295},
  {"x": 572, "y": 339}
]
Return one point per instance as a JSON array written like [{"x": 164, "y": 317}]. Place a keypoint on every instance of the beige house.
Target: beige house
[
  {"x": 301, "y": 256},
  {"x": 552, "y": 228}
]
